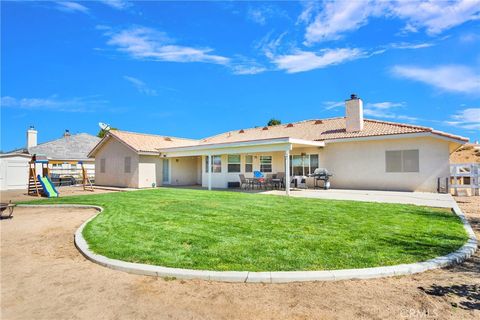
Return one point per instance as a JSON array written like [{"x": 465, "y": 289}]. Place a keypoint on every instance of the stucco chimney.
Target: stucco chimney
[
  {"x": 354, "y": 114},
  {"x": 31, "y": 137},
  {"x": 66, "y": 133}
]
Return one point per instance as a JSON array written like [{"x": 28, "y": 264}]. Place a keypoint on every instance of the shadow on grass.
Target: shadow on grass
[{"x": 469, "y": 294}]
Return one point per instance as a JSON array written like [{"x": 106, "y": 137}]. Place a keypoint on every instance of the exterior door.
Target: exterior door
[{"x": 165, "y": 171}]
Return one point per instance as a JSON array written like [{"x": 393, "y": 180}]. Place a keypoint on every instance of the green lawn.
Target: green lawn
[{"x": 219, "y": 230}]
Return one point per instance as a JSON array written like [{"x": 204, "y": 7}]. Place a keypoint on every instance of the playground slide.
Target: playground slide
[{"x": 48, "y": 187}]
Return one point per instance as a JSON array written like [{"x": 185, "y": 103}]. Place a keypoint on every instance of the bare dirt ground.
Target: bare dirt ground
[
  {"x": 21, "y": 195},
  {"x": 43, "y": 276}
]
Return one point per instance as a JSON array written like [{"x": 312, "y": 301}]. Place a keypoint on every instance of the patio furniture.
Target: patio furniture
[
  {"x": 321, "y": 174},
  {"x": 299, "y": 181},
  {"x": 244, "y": 182},
  {"x": 7, "y": 207},
  {"x": 279, "y": 181}
]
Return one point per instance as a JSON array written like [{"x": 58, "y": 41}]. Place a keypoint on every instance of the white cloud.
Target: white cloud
[
  {"x": 467, "y": 119},
  {"x": 301, "y": 61},
  {"x": 452, "y": 78},
  {"x": 70, "y": 6},
  {"x": 146, "y": 43},
  {"x": 140, "y": 86},
  {"x": 76, "y": 104},
  {"x": 260, "y": 14},
  {"x": 338, "y": 17},
  {"x": 117, "y": 4},
  {"x": 408, "y": 45},
  {"x": 436, "y": 16},
  {"x": 257, "y": 16},
  {"x": 328, "y": 105},
  {"x": 242, "y": 69},
  {"x": 386, "y": 110}
]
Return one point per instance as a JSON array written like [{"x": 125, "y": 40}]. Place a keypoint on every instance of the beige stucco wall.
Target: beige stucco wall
[
  {"x": 114, "y": 153},
  {"x": 361, "y": 165},
  {"x": 183, "y": 171}
]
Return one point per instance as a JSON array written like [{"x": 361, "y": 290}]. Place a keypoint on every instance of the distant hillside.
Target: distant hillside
[{"x": 468, "y": 153}]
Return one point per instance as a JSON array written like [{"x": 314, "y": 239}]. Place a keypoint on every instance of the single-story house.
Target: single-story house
[
  {"x": 64, "y": 154},
  {"x": 360, "y": 153}
]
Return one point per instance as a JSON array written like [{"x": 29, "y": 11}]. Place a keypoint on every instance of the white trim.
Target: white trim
[
  {"x": 395, "y": 136},
  {"x": 287, "y": 172},
  {"x": 276, "y": 144}
]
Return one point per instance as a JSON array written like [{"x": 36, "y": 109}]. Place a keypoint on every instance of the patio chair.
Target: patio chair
[
  {"x": 269, "y": 180},
  {"x": 244, "y": 182}
]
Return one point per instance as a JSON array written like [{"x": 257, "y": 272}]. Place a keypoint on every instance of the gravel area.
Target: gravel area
[{"x": 43, "y": 276}]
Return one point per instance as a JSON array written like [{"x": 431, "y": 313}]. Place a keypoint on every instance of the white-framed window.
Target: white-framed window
[
  {"x": 102, "y": 165},
  {"x": 301, "y": 165},
  {"x": 128, "y": 164},
  {"x": 234, "y": 163},
  {"x": 216, "y": 164},
  {"x": 402, "y": 161},
  {"x": 265, "y": 163},
  {"x": 248, "y": 163}
]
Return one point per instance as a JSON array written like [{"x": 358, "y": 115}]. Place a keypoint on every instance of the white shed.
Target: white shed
[{"x": 14, "y": 170}]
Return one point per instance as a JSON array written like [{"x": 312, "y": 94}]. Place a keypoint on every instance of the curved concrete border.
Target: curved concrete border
[{"x": 275, "y": 276}]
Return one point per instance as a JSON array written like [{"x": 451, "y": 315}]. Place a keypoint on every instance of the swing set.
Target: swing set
[{"x": 40, "y": 183}]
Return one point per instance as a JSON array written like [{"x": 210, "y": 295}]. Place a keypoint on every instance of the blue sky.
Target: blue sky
[{"x": 195, "y": 69}]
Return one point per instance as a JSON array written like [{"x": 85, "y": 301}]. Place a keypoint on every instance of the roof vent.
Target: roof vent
[
  {"x": 265, "y": 128},
  {"x": 168, "y": 139},
  {"x": 241, "y": 131},
  {"x": 318, "y": 122},
  {"x": 289, "y": 125}
]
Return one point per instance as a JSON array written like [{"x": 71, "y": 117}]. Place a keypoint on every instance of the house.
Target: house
[
  {"x": 63, "y": 153},
  {"x": 361, "y": 154}
]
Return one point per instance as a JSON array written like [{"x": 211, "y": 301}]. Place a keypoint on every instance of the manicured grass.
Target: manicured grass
[{"x": 218, "y": 230}]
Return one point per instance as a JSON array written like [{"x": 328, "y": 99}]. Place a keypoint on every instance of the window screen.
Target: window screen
[
  {"x": 128, "y": 164},
  {"x": 234, "y": 163},
  {"x": 102, "y": 165},
  {"x": 248, "y": 163},
  {"x": 266, "y": 163},
  {"x": 402, "y": 161},
  {"x": 216, "y": 164}
]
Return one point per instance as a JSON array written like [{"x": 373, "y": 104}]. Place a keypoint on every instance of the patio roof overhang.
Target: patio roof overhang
[{"x": 250, "y": 146}]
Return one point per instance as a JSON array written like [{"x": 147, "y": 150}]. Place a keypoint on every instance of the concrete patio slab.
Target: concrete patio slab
[{"x": 418, "y": 198}]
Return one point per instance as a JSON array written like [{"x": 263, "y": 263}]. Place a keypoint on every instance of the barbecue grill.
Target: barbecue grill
[{"x": 321, "y": 174}]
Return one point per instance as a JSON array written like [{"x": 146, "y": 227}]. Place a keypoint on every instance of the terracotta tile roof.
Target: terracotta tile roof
[
  {"x": 142, "y": 142},
  {"x": 322, "y": 129}
]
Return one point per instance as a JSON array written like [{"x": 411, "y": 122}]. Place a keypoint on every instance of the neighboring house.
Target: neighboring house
[
  {"x": 64, "y": 153},
  {"x": 361, "y": 154}
]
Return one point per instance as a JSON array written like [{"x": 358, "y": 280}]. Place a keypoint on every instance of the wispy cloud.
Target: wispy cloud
[
  {"x": 300, "y": 61},
  {"x": 387, "y": 110},
  {"x": 117, "y": 4},
  {"x": 70, "y": 6},
  {"x": 260, "y": 14},
  {"x": 453, "y": 78},
  {"x": 149, "y": 44},
  {"x": 339, "y": 17},
  {"x": 467, "y": 119},
  {"x": 76, "y": 104},
  {"x": 328, "y": 105},
  {"x": 140, "y": 86}
]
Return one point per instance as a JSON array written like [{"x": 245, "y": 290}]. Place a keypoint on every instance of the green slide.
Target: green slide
[{"x": 48, "y": 187}]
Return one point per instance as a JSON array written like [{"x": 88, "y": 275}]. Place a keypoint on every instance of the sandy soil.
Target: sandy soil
[
  {"x": 21, "y": 195},
  {"x": 43, "y": 276}
]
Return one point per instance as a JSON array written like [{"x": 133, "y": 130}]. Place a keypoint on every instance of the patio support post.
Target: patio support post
[
  {"x": 209, "y": 172},
  {"x": 287, "y": 172}
]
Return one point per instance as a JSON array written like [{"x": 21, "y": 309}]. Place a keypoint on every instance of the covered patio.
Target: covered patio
[{"x": 222, "y": 164}]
